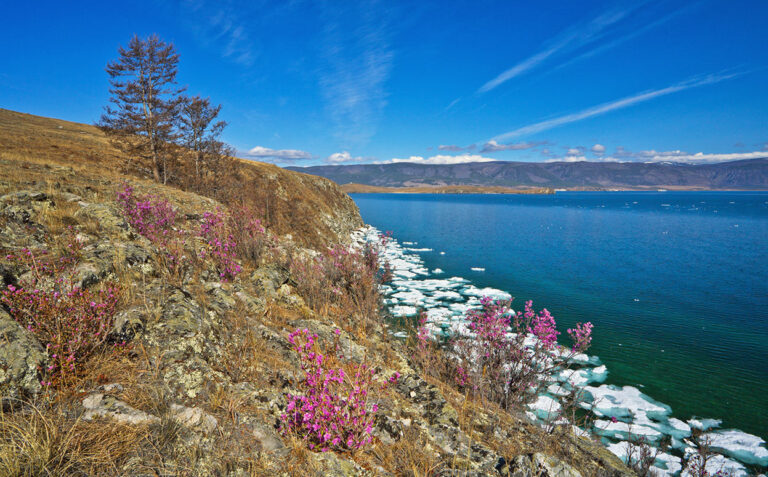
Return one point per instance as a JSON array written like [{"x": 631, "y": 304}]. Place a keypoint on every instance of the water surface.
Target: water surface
[{"x": 676, "y": 283}]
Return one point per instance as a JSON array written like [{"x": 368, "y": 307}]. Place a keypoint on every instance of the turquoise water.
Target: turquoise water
[{"x": 676, "y": 283}]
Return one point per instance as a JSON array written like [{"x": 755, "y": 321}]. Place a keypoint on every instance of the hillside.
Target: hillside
[
  {"x": 313, "y": 210},
  {"x": 737, "y": 175},
  {"x": 147, "y": 330}
]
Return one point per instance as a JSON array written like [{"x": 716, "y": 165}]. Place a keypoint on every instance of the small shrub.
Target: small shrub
[
  {"x": 72, "y": 323},
  {"x": 510, "y": 357},
  {"x": 219, "y": 245},
  {"x": 333, "y": 410},
  {"x": 345, "y": 278},
  {"x": 154, "y": 218}
]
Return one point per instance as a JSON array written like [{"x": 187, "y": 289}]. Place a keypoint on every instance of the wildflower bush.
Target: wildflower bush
[
  {"x": 333, "y": 410},
  {"x": 155, "y": 218},
  {"x": 248, "y": 232},
  {"x": 343, "y": 278},
  {"x": 510, "y": 357},
  {"x": 219, "y": 245},
  {"x": 71, "y": 322}
]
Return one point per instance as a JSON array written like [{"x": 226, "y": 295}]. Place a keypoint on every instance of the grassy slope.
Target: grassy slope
[{"x": 310, "y": 208}]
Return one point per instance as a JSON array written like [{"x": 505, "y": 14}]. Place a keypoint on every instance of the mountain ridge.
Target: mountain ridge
[{"x": 748, "y": 174}]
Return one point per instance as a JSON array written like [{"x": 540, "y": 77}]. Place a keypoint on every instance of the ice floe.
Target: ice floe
[{"x": 739, "y": 445}]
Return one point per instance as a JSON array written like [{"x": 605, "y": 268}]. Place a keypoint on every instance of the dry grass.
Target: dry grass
[
  {"x": 46, "y": 441},
  {"x": 307, "y": 207}
]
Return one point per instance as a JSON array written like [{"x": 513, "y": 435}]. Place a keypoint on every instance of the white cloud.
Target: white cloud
[
  {"x": 598, "y": 149},
  {"x": 441, "y": 159},
  {"x": 493, "y": 146},
  {"x": 261, "y": 152},
  {"x": 574, "y": 151},
  {"x": 341, "y": 157},
  {"x": 679, "y": 156},
  {"x": 357, "y": 61},
  {"x": 651, "y": 156},
  {"x": 614, "y": 105},
  {"x": 568, "y": 159}
]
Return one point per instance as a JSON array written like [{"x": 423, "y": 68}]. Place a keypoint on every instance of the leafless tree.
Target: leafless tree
[
  {"x": 199, "y": 133},
  {"x": 145, "y": 101}
]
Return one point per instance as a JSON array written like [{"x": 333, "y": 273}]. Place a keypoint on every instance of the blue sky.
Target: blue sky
[{"x": 307, "y": 83}]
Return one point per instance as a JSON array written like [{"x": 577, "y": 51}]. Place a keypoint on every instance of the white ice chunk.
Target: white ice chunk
[
  {"x": 704, "y": 424},
  {"x": 745, "y": 447}
]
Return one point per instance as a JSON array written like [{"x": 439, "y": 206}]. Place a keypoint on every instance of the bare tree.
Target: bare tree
[
  {"x": 145, "y": 100},
  {"x": 199, "y": 133}
]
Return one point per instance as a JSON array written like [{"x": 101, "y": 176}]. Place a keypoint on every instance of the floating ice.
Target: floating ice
[
  {"x": 704, "y": 424},
  {"x": 494, "y": 293},
  {"x": 718, "y": 463},
  {"x": 545, "y": 407},
  {"x": 623, "y": 430},
  {"x": 615, "y": 401},
  {"x": 403, "y": 310},
  {"x": 737, "y": 444},
  {"x": 447, "y": 301}
]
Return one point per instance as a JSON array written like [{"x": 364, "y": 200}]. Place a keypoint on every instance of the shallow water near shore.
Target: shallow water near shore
[{"x": 676, "y": 283}]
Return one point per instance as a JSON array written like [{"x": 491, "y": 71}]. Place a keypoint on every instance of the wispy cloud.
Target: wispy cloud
[
  {"x": 572, "y": 39},
  {"x": 285, "y": 155},
  {"x": 450, "y": 147},
  {"x": 614, "y": 105},
  {"x": 357, "y": 63},
  {"x": 598, "y": 149},
  {"x": 441, "y": 159},
  {"x": 493, "y": 146},
  {"x": 633, "y": 33}
]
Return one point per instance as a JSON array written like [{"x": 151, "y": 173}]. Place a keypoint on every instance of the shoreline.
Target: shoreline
[{"x": 354, "y": 188}]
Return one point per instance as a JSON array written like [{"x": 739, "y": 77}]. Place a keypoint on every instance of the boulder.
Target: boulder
[
  {"x": 536, "y": 465},
  {"x": 100, "y": 405},
  {"x": 21, "y": 355}
]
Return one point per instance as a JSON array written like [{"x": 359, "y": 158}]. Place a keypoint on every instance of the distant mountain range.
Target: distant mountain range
[{"x": 751, "y": 174}]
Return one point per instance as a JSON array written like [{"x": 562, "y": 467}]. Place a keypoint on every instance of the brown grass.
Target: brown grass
[
  {"x": 45, "y": 441},
  {"x": 291, "y": 202}
]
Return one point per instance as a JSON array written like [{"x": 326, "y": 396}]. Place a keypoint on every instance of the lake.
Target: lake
[{"x": 676, "y": 283}]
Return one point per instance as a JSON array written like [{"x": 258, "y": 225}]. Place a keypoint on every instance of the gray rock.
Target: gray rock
[
  {"x": 128, "y": 323},
  {"x": 536, "y": 465},
  {"x": 21, "y": 355},
  {"x": 194, "y": 418},
  {"x": 268, "y": 279},
  {"x": 328, "y": 338},
  {"x": 100, "y": 405}
]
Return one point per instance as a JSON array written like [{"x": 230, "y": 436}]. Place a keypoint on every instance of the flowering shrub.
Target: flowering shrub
[
  {"x": 333, "y": 409},
  {"x": 219, "y": 245},
  {"x": 71, "y": 322},
  {"x": 510, "y": 356},
  {"x": 154, "y": 218},
  {"x": 151, "y": 216},
  {"x": 248, "y": 232}
]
